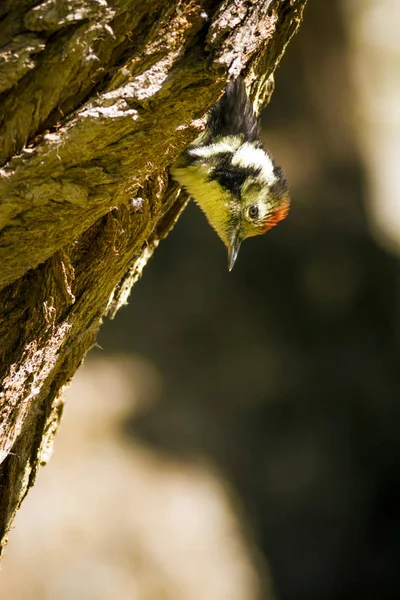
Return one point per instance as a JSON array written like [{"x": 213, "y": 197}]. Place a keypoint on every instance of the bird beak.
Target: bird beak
[{"x": 233, "y": 251}]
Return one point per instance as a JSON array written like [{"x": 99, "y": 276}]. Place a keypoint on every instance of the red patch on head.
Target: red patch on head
[{"x": 277, "y": 215}]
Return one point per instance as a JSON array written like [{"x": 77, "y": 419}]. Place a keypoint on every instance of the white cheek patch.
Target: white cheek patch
[
  {"x": 249, "y": 156},
  {"x": 265, "y": 209},
  {"x": 227, "y": 144}
]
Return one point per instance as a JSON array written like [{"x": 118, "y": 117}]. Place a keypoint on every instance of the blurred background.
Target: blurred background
[{"x": 236, "y": 437}]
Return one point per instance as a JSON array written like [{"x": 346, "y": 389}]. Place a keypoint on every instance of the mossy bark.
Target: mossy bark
[{"x": 96, "y": 101}]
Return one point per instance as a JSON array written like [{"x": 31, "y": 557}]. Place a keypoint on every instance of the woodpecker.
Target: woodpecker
[{"x": 231, "y": 176}]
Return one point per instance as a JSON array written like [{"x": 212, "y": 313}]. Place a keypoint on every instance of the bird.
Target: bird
[{"x": 231, "y": 176}]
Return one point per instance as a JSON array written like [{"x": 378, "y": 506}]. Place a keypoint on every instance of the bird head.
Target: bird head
[
  {"x": 238, "y": 185},
  {"x": 258, "y": 208}
]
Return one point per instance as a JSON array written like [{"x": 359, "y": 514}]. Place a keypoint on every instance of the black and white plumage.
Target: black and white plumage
[{"x": 230, "y": 175}]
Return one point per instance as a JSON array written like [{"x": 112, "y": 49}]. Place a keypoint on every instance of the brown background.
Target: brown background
[{"x": 281, "y": 378}]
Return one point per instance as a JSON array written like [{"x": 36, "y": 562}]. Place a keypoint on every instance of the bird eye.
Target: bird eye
[{"x": 253, "y": 211}]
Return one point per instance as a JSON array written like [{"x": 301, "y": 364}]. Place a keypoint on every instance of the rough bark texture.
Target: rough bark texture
[{"x": 97, "y": 98}]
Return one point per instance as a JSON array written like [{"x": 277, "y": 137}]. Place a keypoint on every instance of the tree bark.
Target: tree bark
[{"x": 97, "y": 99}]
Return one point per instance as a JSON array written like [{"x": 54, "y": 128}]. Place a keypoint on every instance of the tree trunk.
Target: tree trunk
[{"x": 97, "y": 99}]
